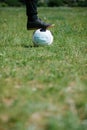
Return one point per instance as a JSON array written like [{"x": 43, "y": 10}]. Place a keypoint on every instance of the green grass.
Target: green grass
[{"x": 43, "y": 88}]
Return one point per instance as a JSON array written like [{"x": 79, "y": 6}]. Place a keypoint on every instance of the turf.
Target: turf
[{"x": 43, "y": 88}]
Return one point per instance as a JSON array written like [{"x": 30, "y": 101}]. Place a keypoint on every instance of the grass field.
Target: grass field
[{"x": 43, "y": 88}]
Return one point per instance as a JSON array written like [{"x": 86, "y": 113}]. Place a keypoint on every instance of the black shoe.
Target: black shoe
[{"x": 37, "y": 24}]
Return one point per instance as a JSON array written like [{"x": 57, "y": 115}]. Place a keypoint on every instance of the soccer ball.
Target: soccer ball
[{"x": 42, "y": 37}]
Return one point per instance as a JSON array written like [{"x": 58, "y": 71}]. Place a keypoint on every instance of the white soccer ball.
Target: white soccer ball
[{"x": 42, "y": 37}]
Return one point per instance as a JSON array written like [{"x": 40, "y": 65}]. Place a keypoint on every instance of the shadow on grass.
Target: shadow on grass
[{"x": 28, "y": 46}]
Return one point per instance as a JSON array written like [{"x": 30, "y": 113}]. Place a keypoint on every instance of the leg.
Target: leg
[
  {"x": 33, "y": 22},
  {"x": 31, "y": 9}
]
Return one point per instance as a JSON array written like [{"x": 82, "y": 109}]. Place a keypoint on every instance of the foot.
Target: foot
[{"x": 32, "y": 25}]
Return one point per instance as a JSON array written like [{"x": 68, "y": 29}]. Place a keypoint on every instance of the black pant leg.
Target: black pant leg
[{"x": 31, "y": 9}]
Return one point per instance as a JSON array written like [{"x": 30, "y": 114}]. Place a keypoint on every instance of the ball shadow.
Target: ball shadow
[{"x": 28, "y": 46}]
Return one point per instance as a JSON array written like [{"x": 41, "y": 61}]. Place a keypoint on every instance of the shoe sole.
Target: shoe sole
[{"x": 39, "y": 28}]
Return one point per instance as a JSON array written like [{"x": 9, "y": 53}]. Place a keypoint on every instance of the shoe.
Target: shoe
[{"x": 37, "y": 24}]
